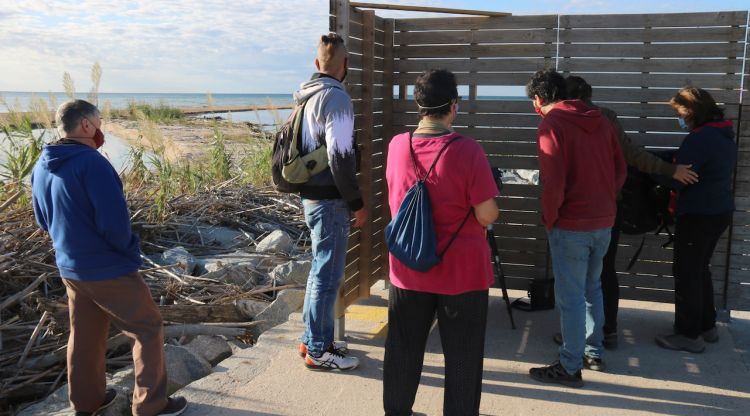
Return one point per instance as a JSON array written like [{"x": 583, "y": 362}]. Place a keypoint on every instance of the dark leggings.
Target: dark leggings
[
  {"x": 462, "y": 321},
  {"x": 695, "y": 240}
]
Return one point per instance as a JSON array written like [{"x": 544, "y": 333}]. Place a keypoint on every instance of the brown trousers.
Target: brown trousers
[{"x": 125, "y": 302}]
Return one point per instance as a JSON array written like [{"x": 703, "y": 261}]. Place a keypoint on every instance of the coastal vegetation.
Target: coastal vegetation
[{"x": 238, "y": 153}]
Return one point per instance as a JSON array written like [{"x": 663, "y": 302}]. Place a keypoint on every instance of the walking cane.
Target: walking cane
[{"x": 497, "y": 174}]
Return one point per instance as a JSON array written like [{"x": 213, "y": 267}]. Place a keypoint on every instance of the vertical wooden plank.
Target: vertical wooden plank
[
  {"x": 387, "y": 120},
  {"x": 340, "y": 9},
  {"x": 365, "y": 140}
]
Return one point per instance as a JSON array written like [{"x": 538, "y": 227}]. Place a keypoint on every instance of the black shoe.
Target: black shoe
[
  {"x": 610, "y": 341},
  {"x": 175, "y": 406},
  {"x": 109, "y": 398},
  {"x": 711, "y": 335},
  {"x": 556, "y": 373},
  {"x": 593, "y": 364}
]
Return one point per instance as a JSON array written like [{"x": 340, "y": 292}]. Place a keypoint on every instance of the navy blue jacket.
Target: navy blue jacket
[
  {"x": 712, "y": 152},
  {"x": 78, "y": 199}
]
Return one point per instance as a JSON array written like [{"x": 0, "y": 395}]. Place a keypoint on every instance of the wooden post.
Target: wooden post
[
  {"x": 387, "y": 124},
  {"x": 366, "y": 137},
  {"x": 339, "y": 23}
]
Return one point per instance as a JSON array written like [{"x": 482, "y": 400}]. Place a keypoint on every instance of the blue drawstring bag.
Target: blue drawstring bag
[{"x": 410, "y": 235}]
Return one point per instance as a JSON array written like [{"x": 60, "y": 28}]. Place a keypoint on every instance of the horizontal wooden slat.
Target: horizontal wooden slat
[
  {"x": 467, "y": 36},
  {"x": 654, "y": 95},
  {"x": 676, "y": 81},
  {"x": 478, "y": 65},
  {"x": 730, "y": 18},
  {"x": 456, "y": 23},
  {"x": 476, "y": 106},
  {"x": 476, "y": 51},
  {"x": 739, "y": 297},
  {"x": 685, "y": 50},
  {"x": 650, "y": 295},
  {"x": 676, "y": 65},
  {"x": 505, "y": 243},
  {"x": 510, "y": 120},
  {"x": 509, "y": 148},
  {"x": 513, "y": 162},
  {"x": 481, "y": 78},
  {"x": 520, "y": 204},
  {"x": 714, "y": 34}
]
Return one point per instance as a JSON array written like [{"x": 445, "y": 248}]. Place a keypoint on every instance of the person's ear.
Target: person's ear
[
  {"x": 317, "y": 64},
  {"x": 538, "y": 101}
]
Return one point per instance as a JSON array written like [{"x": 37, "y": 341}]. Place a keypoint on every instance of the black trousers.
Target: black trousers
[
  {"x": 610, "y": 285},
  {"x": 695, "y": 240},
  {"x": 462, "y": 320}
]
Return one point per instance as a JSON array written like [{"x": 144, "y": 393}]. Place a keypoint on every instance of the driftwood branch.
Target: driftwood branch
[{"x": 12, "y": 300}]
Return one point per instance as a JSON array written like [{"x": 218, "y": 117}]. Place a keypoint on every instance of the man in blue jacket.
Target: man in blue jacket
[{"x": 78, "y": 199}]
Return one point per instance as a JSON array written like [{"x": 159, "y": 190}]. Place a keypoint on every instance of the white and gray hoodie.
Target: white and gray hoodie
[{"x": 329, "y": 119}]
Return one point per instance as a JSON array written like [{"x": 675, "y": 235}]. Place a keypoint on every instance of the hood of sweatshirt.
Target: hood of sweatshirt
[
  {"x": 56, "y": 155},
  {"x": 724, "y": 127},
  {"x": 577, "y": 112},
  {"x": 318, "y": 83}
]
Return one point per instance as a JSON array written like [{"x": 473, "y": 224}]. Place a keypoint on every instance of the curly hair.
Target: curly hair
[
  {"x": 547, "y": 84},
  {"x": 577, "y": 88}
]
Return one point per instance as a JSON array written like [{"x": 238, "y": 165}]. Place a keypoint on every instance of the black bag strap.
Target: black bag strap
[
  {"x": 637, "y": 254},
  {"x": 453, "y": 237}
]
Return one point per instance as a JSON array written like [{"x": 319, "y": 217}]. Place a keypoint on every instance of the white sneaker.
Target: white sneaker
[
  {"x": 331, "y": 359},
  {"x": 340, "y": 346}
]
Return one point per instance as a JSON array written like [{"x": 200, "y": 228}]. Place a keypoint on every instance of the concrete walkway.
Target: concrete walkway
[{"x": 641, "y": 378}]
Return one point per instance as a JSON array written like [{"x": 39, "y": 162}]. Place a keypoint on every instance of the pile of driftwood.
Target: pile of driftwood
[{"x": 33, "y": 307}]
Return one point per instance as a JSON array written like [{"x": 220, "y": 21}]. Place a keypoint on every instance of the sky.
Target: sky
[{"x": 247, "y": 46}]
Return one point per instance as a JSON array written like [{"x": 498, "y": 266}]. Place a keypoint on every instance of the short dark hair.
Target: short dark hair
[
  {"x": 698, "y": 106},
  {"x": 70, "y": 114},
  {"x": 434, "y": 91},
  {"x": 547, "y": 84},
  {"x": 577, "y": 88}
]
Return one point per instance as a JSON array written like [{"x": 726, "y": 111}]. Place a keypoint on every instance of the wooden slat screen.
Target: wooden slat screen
[{"x": 635, "y": 64}]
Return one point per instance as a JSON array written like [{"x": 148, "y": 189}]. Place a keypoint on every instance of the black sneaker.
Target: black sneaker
[
  {"x": 610, "y": 341},
  {"x": 556, "y": 373},
  {"x": 711, "y": 335},
  {"x": 175, "y": 406},
  {"x": 109, "y": 398},
  {"x": 593, "y": 364}
]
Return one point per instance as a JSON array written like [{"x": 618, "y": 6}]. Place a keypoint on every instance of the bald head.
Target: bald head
[{"x": 331, "y": 57}]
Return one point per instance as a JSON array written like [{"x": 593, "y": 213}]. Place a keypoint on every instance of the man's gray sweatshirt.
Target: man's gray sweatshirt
[{"x": 329, "y": 119}]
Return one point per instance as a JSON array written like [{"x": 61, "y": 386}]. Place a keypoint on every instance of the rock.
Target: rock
[
  {"x": 181, "y": 256},
  {"x": 250, "y": 307},
  {"x": 276, "y": 242},
  {"x": 263, "y": 263},
  {"x": 213, "y": 266},
  {"x": 292, "y": 272},
  {"x": 183, "y": 367},
  {"x": 241, "y": 275},
  {"x": 213, "y": 349},
  {"x": 57, "y": 403},
  {"x": 287, "y": 301}
]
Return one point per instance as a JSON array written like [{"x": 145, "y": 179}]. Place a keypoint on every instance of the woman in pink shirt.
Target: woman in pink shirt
[{"x": 457, "y": 288}]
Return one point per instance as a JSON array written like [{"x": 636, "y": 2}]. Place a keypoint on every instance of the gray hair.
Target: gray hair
[{"x": 70, "y": 114}]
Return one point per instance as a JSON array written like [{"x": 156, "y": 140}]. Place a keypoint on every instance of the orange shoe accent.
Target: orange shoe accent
[{"x": 302, "y": 349}]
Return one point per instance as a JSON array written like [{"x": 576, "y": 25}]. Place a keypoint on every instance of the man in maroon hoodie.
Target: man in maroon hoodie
[{"x": 582, "y": 168}]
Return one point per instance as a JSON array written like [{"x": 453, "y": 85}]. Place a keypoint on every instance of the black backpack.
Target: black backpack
[
  {"x": 290, "y": 166},
  {"x": 645, "y": 206}
]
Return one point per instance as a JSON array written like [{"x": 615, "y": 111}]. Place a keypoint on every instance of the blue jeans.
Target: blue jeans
[
  {"x": 328, "y": 221},
  {"x": 577, "y": 264}
]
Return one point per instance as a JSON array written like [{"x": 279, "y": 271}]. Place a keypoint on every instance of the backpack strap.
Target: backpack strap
[
  {"x": 453, "y": 237},
  {"x": 434, "y": 161}
]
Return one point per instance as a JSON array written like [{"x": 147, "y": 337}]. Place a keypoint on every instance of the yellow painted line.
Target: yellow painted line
[
  {"x": 367, "y": 313},
  {"x": 376, "y": 314}
]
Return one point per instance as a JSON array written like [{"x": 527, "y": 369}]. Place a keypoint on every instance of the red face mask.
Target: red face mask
[
  {"x": 538, "y": 110},
  {"x": 98, "y": 138}
]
